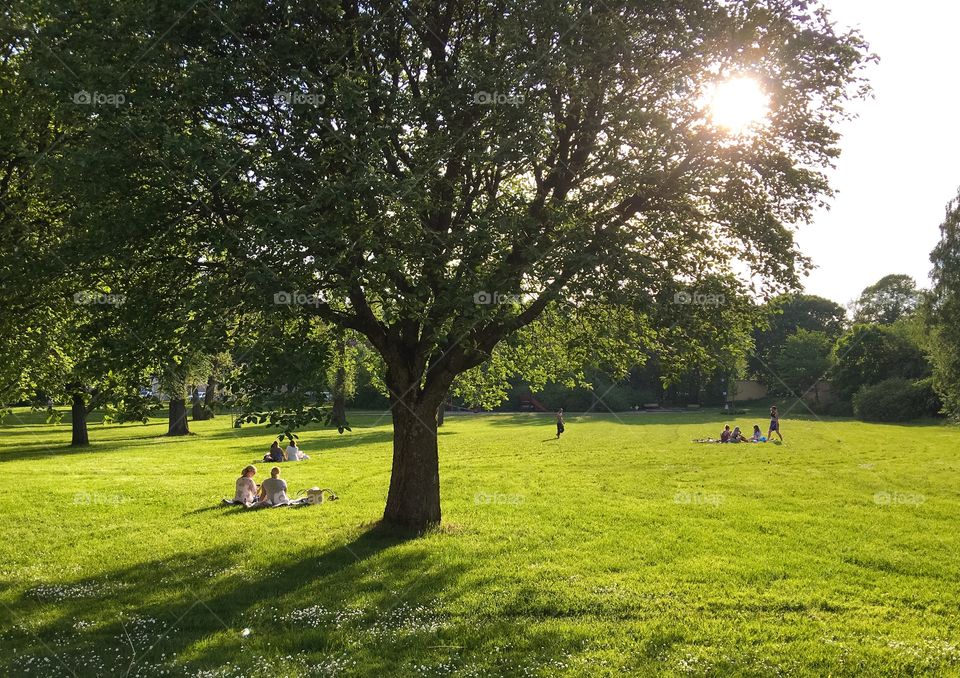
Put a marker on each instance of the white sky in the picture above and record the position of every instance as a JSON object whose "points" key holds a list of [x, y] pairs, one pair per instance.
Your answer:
{"points": [[901, 159]]}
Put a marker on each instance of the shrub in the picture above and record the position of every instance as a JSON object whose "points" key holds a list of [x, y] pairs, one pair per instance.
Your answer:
{"points": [[896, 400]]}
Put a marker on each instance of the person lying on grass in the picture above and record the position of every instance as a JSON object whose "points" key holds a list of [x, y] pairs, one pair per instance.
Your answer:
{"points": [[273, 491], [246, 487]]}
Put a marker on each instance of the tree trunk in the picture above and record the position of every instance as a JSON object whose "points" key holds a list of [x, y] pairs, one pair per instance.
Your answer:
{"points": [[209, 398], [440, 411], [78, 417], [338, 413], [414, 497], [177, 425], [197, 405]]}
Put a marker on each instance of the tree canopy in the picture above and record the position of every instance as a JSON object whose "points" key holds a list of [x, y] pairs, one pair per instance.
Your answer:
{"points": [[785, 315], [869, 354], [891, 298]]}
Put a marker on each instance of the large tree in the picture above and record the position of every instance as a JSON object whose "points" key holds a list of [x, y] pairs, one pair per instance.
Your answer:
{"points": [[435, 175]]}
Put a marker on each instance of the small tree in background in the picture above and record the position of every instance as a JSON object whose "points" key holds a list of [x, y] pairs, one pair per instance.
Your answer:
{"points": [[888, 300], [803, 360], [869, 354], [782, 316], [942, 311]]}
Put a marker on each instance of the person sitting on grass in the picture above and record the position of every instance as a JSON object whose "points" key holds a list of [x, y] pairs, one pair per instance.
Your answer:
{"points": [[725, 436], [737, 436], [294, 453], [246, 486], [273, 491], [275, 454], [756, 434]]}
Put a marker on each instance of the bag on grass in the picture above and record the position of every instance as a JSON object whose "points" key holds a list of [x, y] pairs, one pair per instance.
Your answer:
{"points": [[315, 495]]}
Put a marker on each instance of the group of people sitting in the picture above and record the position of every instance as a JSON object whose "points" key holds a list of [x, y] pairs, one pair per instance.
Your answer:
{"points": [[737, 436], [271, 492], [277, 453]]}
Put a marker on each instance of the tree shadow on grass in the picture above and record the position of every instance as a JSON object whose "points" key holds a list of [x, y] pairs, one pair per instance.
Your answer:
{"points": [[31, 451], [345, 440], [380, 603], [195, 607]]}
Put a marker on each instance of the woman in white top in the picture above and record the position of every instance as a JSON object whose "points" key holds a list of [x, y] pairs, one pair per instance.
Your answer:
{"points": [[294, 453], [246, 487]]}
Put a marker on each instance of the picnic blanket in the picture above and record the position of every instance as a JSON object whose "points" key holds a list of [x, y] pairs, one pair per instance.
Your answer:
{"points": [[262, 504], [314, 495]]}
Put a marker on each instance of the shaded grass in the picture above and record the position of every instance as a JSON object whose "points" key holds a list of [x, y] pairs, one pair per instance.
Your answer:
{"points": [[621, 548]]}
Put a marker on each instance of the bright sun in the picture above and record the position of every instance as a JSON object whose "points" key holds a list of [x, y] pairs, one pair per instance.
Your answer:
{"points": [[738, 104]]}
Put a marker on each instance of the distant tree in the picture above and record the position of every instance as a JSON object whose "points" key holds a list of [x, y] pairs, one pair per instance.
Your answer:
{"points": [[803, 360], [942, 311], [784, 315], [869, 354], [887, 300], [348, 352]]}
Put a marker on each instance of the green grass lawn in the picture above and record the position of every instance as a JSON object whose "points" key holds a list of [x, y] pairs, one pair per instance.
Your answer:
{"points": [[621, 549]]}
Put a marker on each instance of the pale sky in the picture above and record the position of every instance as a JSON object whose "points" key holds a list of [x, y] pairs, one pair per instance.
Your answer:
{"points": [[901, 158]]}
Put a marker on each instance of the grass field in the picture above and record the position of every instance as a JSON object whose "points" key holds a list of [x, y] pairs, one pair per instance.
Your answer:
{"points": [[621, 549]]}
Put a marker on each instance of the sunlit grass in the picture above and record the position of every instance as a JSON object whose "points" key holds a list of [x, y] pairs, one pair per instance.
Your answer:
{"points": [[622, 548]]}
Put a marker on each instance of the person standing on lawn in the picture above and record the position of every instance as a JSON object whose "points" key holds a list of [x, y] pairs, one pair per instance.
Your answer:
{"points": [[774, 424], [559, 422]]}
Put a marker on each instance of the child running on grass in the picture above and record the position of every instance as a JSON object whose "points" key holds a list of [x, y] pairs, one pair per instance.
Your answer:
{"points": [[559, 422]]}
